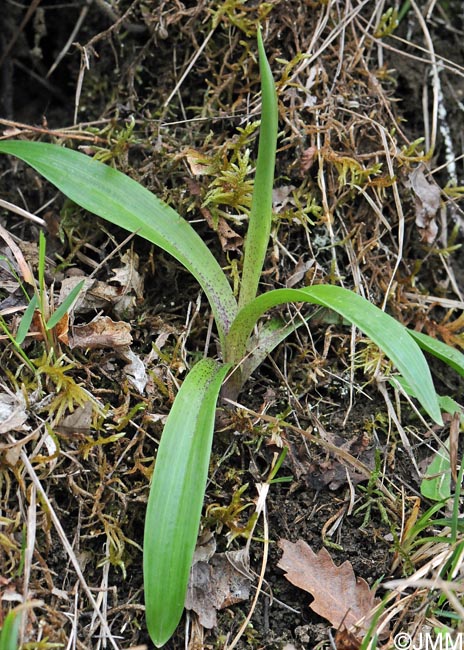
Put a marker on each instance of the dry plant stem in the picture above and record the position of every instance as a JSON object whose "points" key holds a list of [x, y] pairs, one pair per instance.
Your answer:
{"points": [[64, 540], [390, 614], [436, 82], [324, 198], [75, 618], [397, 420], [70, 133], [102, 600], [447, 64], [448, 588], [22, 213], [29, 552], [332, 36], [118, 21], [69, 42], [263, 489], [418, 300], [399, 211]]}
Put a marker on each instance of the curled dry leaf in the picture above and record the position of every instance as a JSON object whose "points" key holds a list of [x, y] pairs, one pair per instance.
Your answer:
{"points": [[214, 585], [307, 159], [101, 332], [230, 240], [198, 162], [94, 295], [282, 197], [319, 472], [20, 258], [13, 417], [79, 421], [340, 597], [427, 204], [134, 369], [128, 276], [12, 412], [97, 295], [299, 272]]}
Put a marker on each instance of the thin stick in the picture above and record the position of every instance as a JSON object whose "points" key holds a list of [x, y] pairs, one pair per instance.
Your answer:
{"points": [[263, 489], [22, 213], [69, 42], [188, 68]]}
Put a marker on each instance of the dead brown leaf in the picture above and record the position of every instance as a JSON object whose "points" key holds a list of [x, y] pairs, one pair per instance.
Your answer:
{"points": [[307, 159], [230, 240], [13, 414], [339, 596], [282, 197], [299, 272], [345, 640], [134, 369], [128, 276], [214, 585], [427, 204], [328, 471], [101, 332], [79, 421], [94, 296], [198, 162], [97, 295]]}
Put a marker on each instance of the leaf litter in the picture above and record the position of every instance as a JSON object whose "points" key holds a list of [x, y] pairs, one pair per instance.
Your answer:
{"points": [[339, 596]]}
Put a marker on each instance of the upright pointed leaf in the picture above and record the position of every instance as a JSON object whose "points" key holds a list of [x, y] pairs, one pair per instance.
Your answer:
{"points": [[10, 631], [392, 337], [64, 307], [26, 320], [176, 498], [117, 198], [259, 224]]}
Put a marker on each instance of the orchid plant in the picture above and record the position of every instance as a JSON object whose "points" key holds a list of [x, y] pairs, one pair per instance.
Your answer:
{"points": [[179, 480]]}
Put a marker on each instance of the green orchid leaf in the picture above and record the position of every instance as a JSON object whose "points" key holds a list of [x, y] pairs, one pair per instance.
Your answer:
{"points": [[64, 307], [176, 498], [436, 484], [26, 320], [452, 357], [9, 632], [391, 337], [119, 199], [259, 224]]}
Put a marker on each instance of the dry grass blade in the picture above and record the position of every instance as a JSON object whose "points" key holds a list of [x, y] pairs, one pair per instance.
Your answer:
{"points": [[68, 548]]}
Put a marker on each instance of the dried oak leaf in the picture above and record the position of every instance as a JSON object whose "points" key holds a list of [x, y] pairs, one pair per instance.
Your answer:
{"points": [[339, 596]]}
